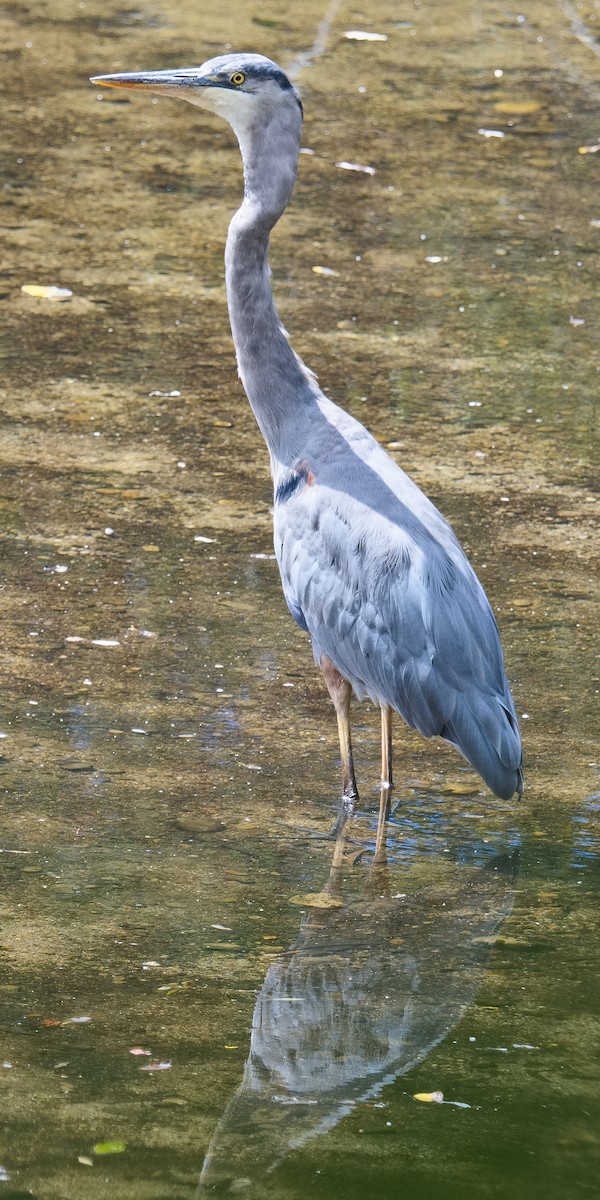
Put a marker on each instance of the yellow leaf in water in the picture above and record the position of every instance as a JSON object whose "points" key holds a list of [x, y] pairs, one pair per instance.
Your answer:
{"points": [[519, 108], [46, 293], [317, 900], [429, 1097], [325, 271]]}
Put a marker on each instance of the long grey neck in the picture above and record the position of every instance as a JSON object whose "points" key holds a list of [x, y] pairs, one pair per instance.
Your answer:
{"points": [[276, 382]]}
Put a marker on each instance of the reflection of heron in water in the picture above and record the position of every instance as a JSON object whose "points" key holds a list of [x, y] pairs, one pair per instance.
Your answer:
{"points": [[366, 991], [370, 569]]}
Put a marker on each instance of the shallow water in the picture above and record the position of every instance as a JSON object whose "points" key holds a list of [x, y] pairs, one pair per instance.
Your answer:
{"points": [[169, 762]]}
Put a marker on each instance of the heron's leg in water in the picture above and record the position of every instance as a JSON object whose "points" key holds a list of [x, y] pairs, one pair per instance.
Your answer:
{"points": [[386, 779], [341, 693], [386, 746]]}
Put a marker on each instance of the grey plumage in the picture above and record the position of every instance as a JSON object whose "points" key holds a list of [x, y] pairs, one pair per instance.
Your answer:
{"points": [[370, 568], [378, 579]]}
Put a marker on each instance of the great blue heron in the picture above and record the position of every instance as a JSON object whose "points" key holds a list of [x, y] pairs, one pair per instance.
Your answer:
{"points": [[370, 569]]}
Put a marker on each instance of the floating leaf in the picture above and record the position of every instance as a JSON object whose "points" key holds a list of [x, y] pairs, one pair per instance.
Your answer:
{"points": [[157, 1066], [137, 1050], [325, 271], [348, 166], [317, 900], [46, 293], [492, 940], [429, 1097], [116, 1147], [519, 108], [83, 1158], [361, 35]]}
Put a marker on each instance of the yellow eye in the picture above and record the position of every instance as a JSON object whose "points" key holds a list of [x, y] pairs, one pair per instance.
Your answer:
{"points": [[238, 78]]}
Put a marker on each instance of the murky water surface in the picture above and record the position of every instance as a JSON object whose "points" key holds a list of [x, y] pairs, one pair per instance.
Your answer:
{"points": [[169, 758]]}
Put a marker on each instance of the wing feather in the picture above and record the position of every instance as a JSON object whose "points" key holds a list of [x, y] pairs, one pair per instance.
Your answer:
{"points": [[384, 590]]}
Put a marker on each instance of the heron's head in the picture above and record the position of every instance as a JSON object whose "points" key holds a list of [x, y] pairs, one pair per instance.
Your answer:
{"points": [[248, 90]]}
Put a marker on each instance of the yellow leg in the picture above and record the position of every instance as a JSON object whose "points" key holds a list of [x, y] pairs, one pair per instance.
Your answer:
{"points": [[386, 746], [386, 780], [341, 693]]}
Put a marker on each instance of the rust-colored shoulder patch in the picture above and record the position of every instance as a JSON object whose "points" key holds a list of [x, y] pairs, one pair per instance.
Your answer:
{"points": [[299, 474], [304, 470]]}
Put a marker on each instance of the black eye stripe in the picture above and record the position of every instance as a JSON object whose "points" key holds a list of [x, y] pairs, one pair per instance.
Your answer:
{"points": [[256, 72]]}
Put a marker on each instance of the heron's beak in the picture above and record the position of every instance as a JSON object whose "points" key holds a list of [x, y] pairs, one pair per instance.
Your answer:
{"points": [[167, 82]]}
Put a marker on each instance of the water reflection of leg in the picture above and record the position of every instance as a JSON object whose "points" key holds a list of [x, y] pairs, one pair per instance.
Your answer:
{"points": [[333, 886], [331, 895], [382, 820]]}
